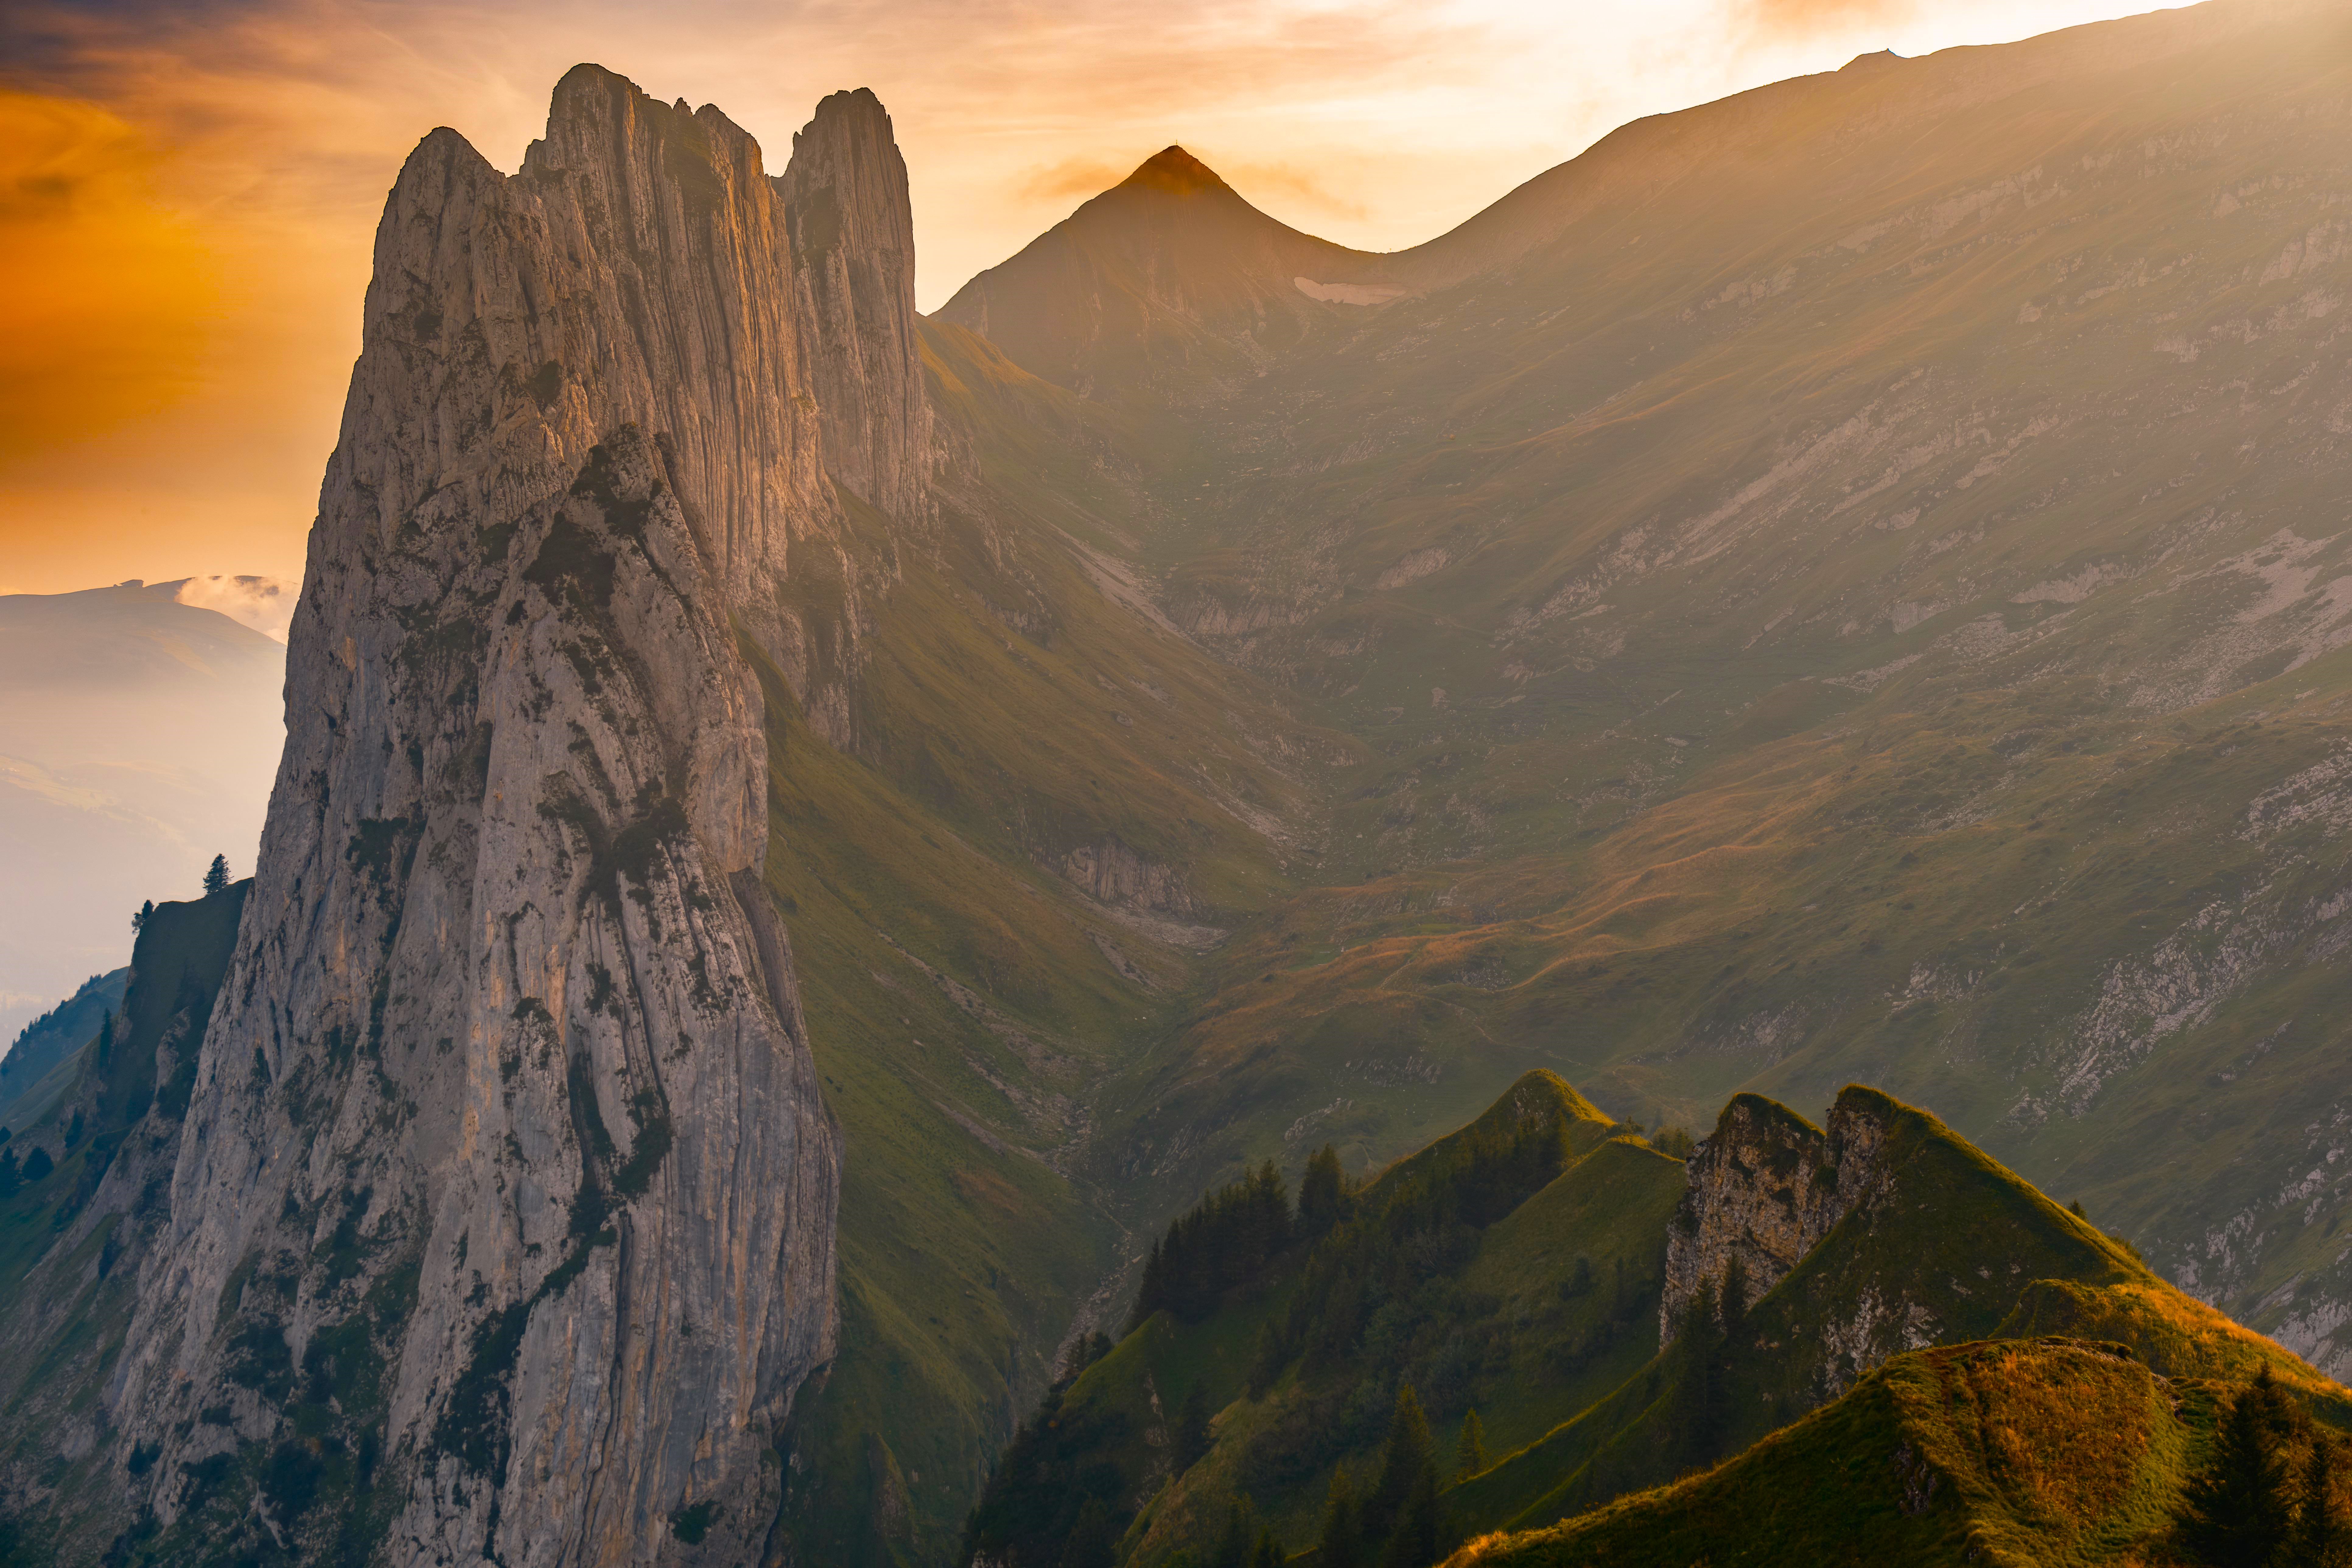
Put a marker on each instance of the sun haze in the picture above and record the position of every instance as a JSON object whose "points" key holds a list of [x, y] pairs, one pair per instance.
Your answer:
{"points": [[188, 192]]}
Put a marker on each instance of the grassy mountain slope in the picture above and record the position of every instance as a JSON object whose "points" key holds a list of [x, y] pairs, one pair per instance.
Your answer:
{"points": [[1855, 591], [1546, 1321], [995, 892], [45, 1044], [1948, 1248], [2041, 1451], [1506, 1294]]}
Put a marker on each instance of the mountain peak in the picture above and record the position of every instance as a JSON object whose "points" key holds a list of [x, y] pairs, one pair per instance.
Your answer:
{"points": [[1174, 170]]}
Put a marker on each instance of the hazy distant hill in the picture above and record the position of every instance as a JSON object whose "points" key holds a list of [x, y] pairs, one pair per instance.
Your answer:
{"points": [[137, 738], [50, 1039], [1169, 282]]}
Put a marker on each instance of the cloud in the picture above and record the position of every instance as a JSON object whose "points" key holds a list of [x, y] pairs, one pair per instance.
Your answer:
{"points": [[1799, 18], [264, 604], [1078, 177], [1267, 184]]}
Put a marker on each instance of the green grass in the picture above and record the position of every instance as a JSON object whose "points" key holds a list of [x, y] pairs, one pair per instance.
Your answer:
{"points": [[963, 999], [2044, 1453], [2051, 1430], [1545, 1309]]}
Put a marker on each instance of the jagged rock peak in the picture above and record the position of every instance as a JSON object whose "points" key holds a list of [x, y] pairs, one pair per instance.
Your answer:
{"points": [[506, 1164], [1175, 171], [852, 236], [639, 270]]}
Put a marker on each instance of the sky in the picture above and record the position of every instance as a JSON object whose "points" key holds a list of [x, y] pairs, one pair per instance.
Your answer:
{"points": [[189, 188]]}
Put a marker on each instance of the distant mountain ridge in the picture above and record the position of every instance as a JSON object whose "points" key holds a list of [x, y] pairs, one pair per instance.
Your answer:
{"points": [[138, 736], [1169, 279], [1819, 611], [45, 1042]]}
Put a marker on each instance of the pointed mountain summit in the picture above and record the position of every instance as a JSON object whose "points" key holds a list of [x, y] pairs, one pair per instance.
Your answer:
{"points": [[1169, 281], [1175, 171]]}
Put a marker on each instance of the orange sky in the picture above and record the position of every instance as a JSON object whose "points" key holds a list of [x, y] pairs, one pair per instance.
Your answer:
{"points": [[188, 191]]}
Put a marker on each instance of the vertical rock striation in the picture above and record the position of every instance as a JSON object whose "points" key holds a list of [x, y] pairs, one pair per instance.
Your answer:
{"points": [[502, 1225], [853, 239]]}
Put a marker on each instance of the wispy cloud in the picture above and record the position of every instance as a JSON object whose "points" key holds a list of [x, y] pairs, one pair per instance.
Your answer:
{"points": [[1802, 18], [1072, 177], [264, 604]]}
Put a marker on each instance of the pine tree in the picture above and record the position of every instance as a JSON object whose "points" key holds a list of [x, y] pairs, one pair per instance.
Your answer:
{"points": [[2320, 1538], [1093, 1541], [1418, 1539], [216, 876], [1322, 1192], [1342, 1544], [1409, 1452], [1154, 1292], [1192, 1435], [1734, 1306], [1269, 1554], [1237, 1544], [1470, 1453], [2234, 1512], [140, 917], [1698, 1399]]}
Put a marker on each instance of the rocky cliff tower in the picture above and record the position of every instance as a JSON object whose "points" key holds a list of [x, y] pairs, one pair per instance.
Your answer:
{"points": [[502, 1220]]}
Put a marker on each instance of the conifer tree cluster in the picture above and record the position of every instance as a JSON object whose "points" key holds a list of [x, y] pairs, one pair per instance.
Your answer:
{"points": [[1470, 1450], [1246, 1541], [1400, 1523], [1712, 1336], [1424, 1221], [2253, 1506], [1225, 1241]]}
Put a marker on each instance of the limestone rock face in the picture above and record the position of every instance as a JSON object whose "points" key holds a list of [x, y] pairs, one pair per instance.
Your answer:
{"points": [[1765, 1187], [504, 1208], [1763, 1190], [852, 239]]}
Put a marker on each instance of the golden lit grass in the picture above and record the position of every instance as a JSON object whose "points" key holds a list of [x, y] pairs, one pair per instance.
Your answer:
{"points": [[2046, 1452]]}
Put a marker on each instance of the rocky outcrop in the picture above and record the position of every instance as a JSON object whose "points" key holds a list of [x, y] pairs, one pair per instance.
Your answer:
{"points": [[1762, 1190], [1111, 872], [853, 241], [1765, 1187], [502, 1225]]}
